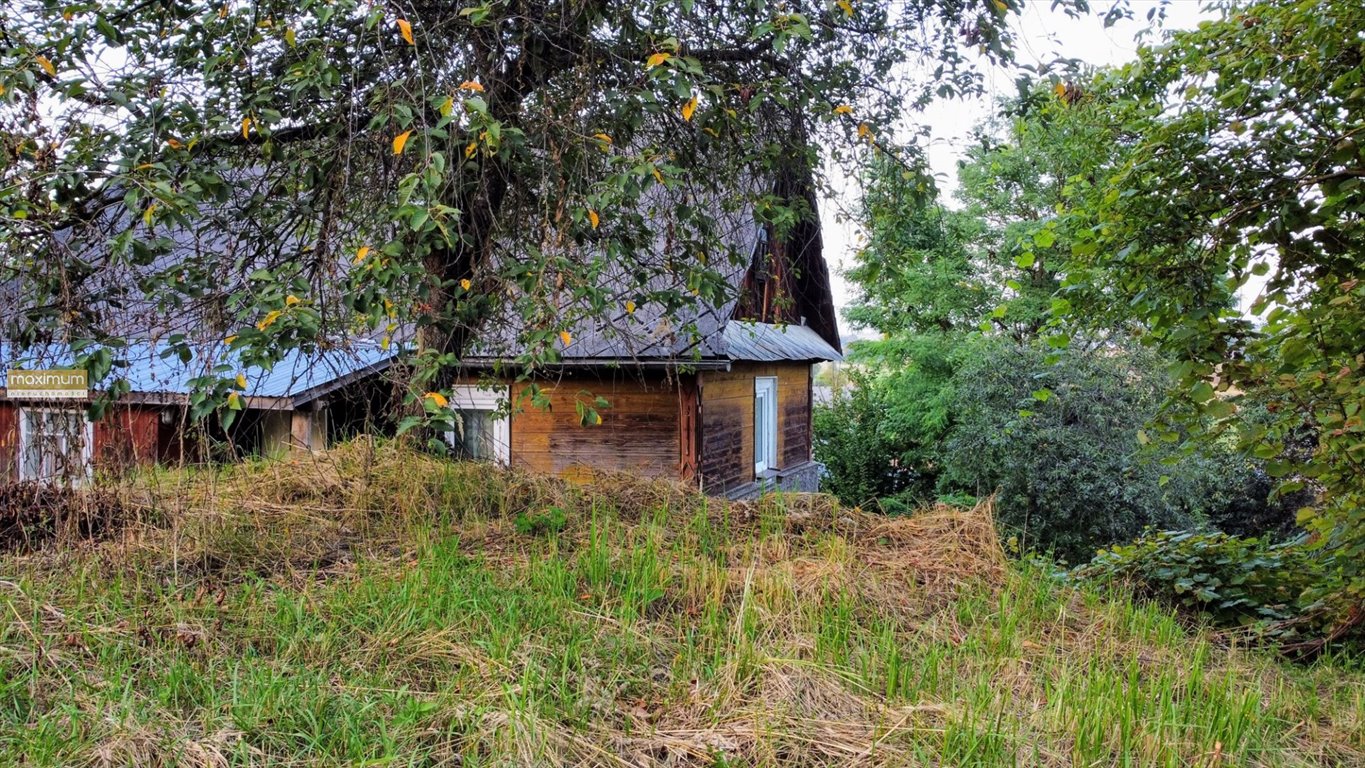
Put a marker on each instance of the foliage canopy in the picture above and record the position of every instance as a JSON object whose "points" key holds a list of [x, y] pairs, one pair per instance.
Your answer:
{"points": [[343, 166]]}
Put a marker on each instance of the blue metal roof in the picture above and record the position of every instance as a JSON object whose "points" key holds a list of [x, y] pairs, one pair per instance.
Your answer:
{"points": [[152, 369]]}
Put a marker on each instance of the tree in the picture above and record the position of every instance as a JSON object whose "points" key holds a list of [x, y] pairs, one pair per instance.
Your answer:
{"points": [[1247, 173], [932, 279], [1059, 443], [370, 167]]}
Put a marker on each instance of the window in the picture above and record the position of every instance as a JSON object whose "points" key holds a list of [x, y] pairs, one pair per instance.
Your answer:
{"points": [[761, 262], [54, 444], [765, 424], [480, 432]]}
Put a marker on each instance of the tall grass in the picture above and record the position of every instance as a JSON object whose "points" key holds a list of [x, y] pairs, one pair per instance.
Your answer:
{"points": [[375, 607]]}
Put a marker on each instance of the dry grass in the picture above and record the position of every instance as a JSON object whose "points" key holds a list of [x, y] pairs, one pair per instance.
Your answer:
{"points": [[375, 606]]}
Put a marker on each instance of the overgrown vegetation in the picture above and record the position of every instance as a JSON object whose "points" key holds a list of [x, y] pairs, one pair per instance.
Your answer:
{"points": [[378, 606], [1148, 292]]}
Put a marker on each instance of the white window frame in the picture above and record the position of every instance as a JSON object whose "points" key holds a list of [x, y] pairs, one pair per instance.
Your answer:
{"points": [[470, 397], [87, 444], [765, 424]]}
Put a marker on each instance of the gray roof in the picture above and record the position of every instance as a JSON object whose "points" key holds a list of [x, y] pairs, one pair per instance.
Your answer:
{"points": [[763, 342]]}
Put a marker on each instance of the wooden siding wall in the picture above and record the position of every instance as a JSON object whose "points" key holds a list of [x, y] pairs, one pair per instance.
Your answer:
{"points": [[639, 432], [727, 421], [9, 442], [126, 436]]}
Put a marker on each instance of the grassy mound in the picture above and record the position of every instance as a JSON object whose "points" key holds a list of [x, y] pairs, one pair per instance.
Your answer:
{"points": [[376, 607]]}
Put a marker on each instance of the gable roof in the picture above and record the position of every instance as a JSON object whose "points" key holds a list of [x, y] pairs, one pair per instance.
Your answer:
{"points": [[697, 333]]}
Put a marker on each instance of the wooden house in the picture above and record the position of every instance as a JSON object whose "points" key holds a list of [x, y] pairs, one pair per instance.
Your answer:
{"points": [[726, 405]]}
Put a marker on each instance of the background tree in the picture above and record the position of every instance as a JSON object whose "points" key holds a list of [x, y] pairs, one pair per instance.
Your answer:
{"points": [[971, 392], [932, 277], [1247, 174]]}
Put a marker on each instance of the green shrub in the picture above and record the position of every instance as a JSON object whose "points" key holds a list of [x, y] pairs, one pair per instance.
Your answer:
{"points": [[862, 461], [1233, 579], [548, 521], [1058, 443]]}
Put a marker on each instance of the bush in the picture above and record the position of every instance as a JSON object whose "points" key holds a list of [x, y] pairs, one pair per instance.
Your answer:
{"points": [[1233, 579], [33, 514], [1058, 443], [862, 462], [1274, 588]]}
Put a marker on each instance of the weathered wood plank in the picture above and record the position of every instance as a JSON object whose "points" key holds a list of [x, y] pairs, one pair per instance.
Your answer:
{"points": [[640, 429], [727, 421]]}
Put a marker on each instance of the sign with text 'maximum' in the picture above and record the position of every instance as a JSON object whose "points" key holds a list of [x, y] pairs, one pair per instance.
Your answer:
{"points": [[55, 384]]}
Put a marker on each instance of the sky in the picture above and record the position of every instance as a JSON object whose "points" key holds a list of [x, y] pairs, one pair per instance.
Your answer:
{"points": [[1041, 35]]}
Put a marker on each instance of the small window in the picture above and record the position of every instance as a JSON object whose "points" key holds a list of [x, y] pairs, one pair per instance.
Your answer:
{"points": [[765, 424], [481, 432], [761, 262], [54, 445]]}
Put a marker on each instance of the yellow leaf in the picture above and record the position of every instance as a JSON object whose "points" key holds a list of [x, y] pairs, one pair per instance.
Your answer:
{"points": [[241, 381], [291, 300], [843, 109], [174, 143], [593, 218], [602, 137], [657, 59], [289, 36], [268, 320], [246, 127], [400, 141], [2, 89], [465, 284], [659, 177], [597, 418], [630, 307], [470, 85], [864, 132], [234, 401], [362, 253], [437, 398], [222, 12], [566, 337], [406, 30], [230, 339], [471, 149], [847, 7], [689, 108], [147, 214], [47, 65], [1000, 5], [1059, 89], [446, 106]]}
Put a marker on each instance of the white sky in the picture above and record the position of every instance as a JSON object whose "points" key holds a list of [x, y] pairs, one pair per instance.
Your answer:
{"points": [[1042, 35]]}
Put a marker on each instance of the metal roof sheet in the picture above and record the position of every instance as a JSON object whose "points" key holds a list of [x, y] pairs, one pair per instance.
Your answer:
{"points": [[153, 369], [765, 342]]}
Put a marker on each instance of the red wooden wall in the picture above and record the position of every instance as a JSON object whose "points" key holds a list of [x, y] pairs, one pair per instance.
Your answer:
{"points": [[9, 442], [128, 435]]}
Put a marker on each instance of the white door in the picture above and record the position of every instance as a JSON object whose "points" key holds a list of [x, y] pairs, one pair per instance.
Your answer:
{"points": [[765, 424]]}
